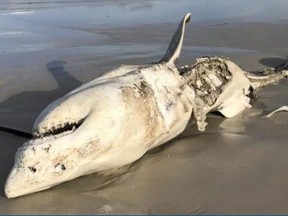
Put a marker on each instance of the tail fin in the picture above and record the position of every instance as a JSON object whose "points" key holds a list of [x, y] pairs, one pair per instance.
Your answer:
{"points": [[269, 76], [175, 46]]}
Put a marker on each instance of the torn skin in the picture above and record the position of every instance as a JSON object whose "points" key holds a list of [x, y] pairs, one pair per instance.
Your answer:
{"points": [[221, 85]]}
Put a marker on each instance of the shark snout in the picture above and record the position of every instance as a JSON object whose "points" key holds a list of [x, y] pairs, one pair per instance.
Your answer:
{"points": [[19, 185], [10, 190], [20, 182], [26, 180], [43, 163]]}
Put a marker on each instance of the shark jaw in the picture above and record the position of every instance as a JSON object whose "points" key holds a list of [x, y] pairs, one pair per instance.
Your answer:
{"points": [[46, 161]]}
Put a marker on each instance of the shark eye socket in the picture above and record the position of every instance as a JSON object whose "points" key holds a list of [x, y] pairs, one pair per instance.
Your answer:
{"points": [[60, 167], [32, 169]]}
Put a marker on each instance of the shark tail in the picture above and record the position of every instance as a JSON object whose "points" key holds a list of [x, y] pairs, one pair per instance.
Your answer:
{"points": [[267, 77]]}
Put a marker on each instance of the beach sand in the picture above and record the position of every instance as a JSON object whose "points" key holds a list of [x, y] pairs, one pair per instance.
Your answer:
{"points": [[237, 166]]}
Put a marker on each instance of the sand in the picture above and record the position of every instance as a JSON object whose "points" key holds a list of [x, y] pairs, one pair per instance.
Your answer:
{"points": [[237, 165]]}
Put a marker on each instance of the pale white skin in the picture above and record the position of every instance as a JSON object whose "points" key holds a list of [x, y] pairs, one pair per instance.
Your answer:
{"points": [[125, 113]]}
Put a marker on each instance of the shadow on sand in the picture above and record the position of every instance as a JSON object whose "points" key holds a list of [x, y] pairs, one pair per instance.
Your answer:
{"points": [[274, 62], [21, 110]]}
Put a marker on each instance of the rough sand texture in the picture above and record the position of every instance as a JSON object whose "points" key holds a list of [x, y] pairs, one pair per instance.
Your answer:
{"points": [[237, 165]]}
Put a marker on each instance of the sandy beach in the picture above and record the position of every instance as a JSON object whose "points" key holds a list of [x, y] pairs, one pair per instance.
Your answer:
{"points": [[237, 166]]}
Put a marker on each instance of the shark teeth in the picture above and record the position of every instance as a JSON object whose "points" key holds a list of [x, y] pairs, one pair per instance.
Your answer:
{"points": [[59, 130], [41, 140]]}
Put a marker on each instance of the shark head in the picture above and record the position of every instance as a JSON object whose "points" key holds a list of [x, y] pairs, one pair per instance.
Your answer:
{"points": [[62, 145], [65, 142]]}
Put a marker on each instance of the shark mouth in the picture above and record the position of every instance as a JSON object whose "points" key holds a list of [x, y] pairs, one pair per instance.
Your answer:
{"points": [[59, 130]]}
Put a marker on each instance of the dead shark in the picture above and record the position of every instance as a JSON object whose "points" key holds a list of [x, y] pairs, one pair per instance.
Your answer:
{"points": [[114, 119], [106, 123]]}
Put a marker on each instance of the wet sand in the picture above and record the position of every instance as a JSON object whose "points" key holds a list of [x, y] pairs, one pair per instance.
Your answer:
{"points": [[237, 165]]}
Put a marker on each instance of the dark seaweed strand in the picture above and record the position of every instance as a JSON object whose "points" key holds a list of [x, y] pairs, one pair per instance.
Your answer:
{"points": [[16, 132]]}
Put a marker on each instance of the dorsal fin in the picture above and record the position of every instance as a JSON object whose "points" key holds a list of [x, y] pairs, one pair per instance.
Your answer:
{"points": [[175, 46]]}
